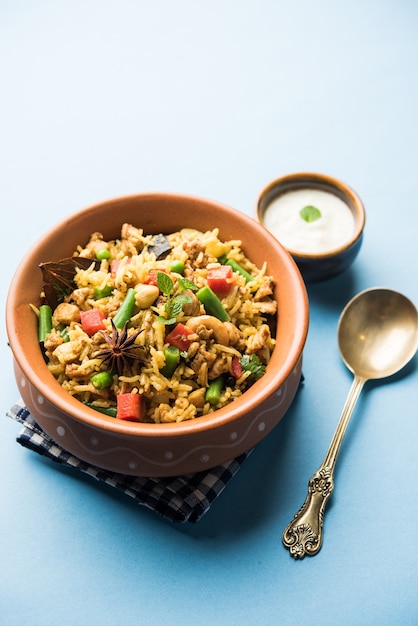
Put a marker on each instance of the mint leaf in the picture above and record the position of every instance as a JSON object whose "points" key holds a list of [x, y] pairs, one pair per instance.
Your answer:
{"points": [[310, 213], [165, 321], [185, 283], [165, 284], [174, 305], [182, 298]]}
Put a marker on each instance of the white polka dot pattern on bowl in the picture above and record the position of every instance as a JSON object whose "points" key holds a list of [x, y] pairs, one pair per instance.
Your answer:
{"points": [[121, 455]]}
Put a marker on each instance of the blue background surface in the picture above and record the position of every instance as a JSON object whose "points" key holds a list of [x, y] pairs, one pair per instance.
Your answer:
{"points": [[217, 99]]}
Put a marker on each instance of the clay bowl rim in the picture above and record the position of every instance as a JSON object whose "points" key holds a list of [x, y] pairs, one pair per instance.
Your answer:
{"points": [[301, 180], [52, 391]]}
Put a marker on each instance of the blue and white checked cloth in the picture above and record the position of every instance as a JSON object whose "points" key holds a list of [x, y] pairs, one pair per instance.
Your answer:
{"points": [[179, 499]]}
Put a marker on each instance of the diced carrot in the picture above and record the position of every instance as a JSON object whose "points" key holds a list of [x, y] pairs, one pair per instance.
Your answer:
{"points": [[152, 277], [92, 321], [130, 407], [179, 337], [236, 367], [115, 264], [220, 279]]}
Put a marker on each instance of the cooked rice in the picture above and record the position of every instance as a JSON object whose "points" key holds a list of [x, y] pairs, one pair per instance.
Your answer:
{"points": [[182, 396]]}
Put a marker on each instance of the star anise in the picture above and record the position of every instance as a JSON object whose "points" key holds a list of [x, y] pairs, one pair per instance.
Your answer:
{"points": [[58, 277], [122, 349]]}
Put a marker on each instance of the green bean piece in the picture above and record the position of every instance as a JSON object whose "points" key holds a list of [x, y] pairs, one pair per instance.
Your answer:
{"points": [[111, 411], [64, 334], [237, 268], [103, 292], [172, 359], [213, 306], [102, 380], [44, 322], [102, 254], [213, 392], [126, 309], [177, 267]]}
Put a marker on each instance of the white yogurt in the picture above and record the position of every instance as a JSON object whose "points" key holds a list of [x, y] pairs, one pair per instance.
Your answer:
{"points": [[332, 230]]}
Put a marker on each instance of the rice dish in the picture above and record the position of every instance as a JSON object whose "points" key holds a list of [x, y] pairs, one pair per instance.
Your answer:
{"points": [[196, 334]]}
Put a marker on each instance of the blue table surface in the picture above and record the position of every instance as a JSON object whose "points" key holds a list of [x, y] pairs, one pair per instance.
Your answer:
{"points": [[216, 99]]}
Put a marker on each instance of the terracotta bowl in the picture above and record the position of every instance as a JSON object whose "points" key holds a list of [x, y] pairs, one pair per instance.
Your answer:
{"points": [[313, 266], [158, 449]]}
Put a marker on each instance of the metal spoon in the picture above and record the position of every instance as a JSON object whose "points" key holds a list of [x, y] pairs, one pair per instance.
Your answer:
{"points": [[377, 336]]}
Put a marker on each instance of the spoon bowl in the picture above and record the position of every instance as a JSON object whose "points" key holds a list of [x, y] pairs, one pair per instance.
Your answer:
{"points": [[378, 333], [377, 337]]}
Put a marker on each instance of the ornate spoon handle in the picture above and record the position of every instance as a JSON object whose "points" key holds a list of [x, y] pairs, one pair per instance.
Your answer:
{"points": [[303, 535]]}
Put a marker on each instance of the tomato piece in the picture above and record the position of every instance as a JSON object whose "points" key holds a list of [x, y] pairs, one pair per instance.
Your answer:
{"points": [[92, 321], [130, 407], [220, 279], [114, 266], [152, 278], [116, 263], [179, 337], [236, 367]]}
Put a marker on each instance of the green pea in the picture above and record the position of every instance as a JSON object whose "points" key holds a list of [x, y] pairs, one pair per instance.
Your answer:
{"points": [[177, 267], [103, 253], [102, 380]]}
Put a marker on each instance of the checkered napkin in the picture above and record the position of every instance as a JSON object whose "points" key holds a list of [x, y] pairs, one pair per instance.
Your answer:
{"points": [[179, 499]]}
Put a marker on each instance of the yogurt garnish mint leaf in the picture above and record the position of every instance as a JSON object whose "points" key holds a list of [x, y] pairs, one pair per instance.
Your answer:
{"points": [[310, 220], [310, 213]]}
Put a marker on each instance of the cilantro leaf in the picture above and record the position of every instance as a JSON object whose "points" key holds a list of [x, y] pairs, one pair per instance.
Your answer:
{"points": [[253, 365]]}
